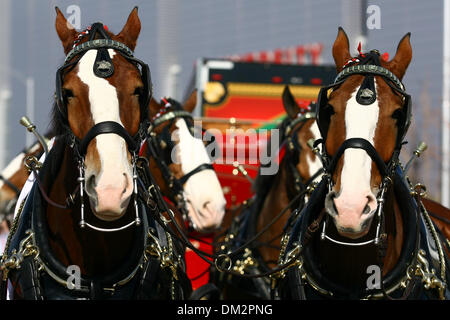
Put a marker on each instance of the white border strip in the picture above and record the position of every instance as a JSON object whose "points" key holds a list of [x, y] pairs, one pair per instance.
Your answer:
{"points": [[445, 179]]}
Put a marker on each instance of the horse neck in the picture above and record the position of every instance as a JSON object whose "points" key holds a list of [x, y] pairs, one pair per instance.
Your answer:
{"points": [[278, 197], [347, 265], [94, 252]]}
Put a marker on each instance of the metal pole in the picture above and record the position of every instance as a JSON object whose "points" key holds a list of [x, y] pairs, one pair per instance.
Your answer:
{"points": [[445, 179]]}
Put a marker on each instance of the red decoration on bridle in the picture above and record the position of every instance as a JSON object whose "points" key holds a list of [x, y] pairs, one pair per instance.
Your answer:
{"points": [[359, 50]]}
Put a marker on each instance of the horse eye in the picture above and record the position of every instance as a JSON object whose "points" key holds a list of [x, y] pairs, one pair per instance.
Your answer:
{"points": [[67, 93], [398, 114], [138, 91], [330, 109]]}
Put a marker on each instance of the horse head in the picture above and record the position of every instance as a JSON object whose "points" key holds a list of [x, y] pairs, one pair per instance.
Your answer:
{"points": [[303, 130], [180, 146], [101, 110], [363, 122]]}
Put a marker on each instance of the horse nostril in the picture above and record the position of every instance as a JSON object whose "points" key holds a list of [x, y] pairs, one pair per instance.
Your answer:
{"points": [[370, 200], [206, 204], [126, 183], [366, 209], [90, 183], [330, 204]]}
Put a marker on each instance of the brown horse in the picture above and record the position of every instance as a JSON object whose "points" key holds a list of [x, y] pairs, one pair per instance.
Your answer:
{"points": [[207, 220], [100, 119], [372, 232], [298, 167]]}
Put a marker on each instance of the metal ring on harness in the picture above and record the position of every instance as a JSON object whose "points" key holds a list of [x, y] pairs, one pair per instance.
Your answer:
{"points": [[226, 259]]}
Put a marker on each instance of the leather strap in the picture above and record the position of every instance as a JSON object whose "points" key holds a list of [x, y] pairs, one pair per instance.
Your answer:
{"points": [[204, 166], [10, 184], [359, 143], [104, 128]]}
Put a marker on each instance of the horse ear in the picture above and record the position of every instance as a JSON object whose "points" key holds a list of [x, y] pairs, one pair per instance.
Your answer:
{"points": [[153, 108], [341, 52], [191, 102], [402, 58], [290, 105], [131, 30], [66, 32]]}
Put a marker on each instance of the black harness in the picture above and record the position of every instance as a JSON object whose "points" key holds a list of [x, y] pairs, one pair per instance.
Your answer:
{"points": [[37, 274], [411, 278]]}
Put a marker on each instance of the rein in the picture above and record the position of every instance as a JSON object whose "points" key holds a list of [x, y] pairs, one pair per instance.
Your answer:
{"points": [[181, 237], [10, 185]]}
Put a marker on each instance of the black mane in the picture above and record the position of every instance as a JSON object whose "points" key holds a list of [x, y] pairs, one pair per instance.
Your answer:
{"points": [[57, 126]]}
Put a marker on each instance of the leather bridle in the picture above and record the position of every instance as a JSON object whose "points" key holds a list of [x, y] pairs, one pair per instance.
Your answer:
{"points": [[369, 66]]}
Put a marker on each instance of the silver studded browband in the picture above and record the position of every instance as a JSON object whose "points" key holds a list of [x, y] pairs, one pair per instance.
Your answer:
{"points": [[97, 44], [372, 69]]}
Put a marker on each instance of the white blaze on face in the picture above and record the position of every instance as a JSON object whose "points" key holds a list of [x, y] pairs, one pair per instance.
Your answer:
{"points": [[355, 191], [112, 183], [314, 164], [203, 192], [360, 122]]}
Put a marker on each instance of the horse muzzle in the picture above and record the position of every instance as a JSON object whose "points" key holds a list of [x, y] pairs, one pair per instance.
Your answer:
{"points": [[353, 215]]}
